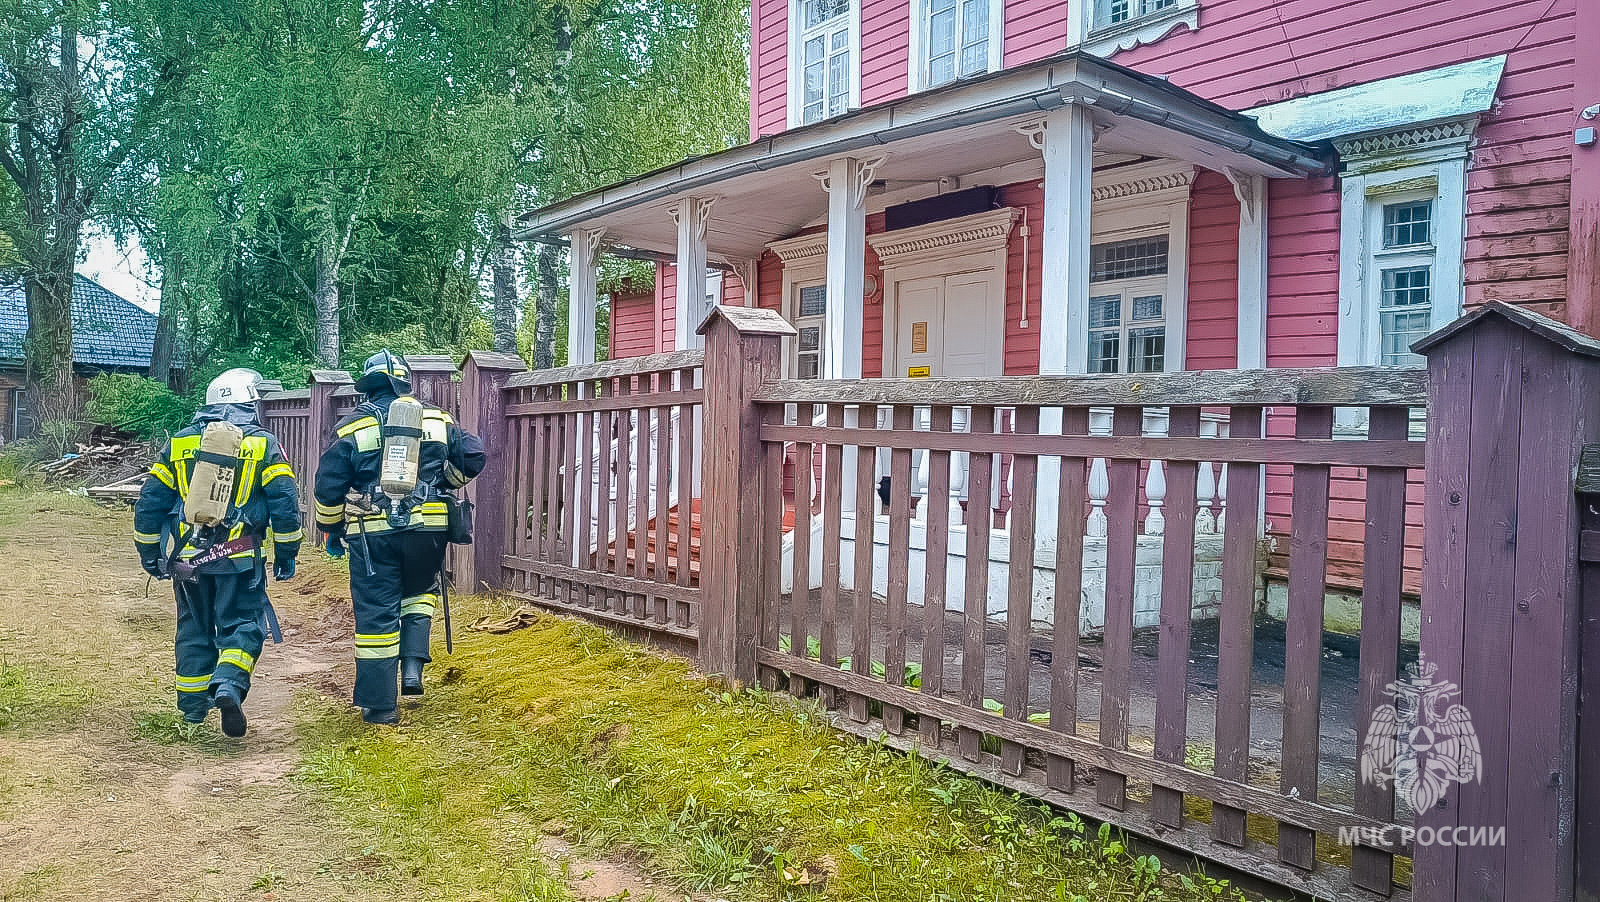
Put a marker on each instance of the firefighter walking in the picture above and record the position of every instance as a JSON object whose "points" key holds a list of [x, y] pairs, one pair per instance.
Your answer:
{"points": [[216, 490], [387, 487]]}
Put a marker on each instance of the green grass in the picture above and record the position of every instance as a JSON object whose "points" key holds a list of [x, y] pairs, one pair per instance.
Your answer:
{"points": [[32, 700], [747, 796]]}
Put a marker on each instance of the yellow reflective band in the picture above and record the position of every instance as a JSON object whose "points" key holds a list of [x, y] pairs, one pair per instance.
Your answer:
{"points": [[351, 428], [378, 654], [377, 638], [274, 471], [298, 535], [163, 473], [435, 427], [237, 657], [146, 538], [193, 683], [419, 604]]}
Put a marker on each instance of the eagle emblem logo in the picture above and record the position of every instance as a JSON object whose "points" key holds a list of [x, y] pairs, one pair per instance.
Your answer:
{"points": [[1424, 741]]}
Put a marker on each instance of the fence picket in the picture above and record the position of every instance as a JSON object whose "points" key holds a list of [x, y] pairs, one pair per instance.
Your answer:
{"points": [[1122, 537], [975, 617], [1177, 609], [1019, 595], [800, 587], [1236, 644], [861, 588], [1060, 773], [937, 527], [832, 520], [898, 581]]}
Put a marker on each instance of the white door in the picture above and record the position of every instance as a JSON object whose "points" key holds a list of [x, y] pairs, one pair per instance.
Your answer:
{"points": [[948, 326]]}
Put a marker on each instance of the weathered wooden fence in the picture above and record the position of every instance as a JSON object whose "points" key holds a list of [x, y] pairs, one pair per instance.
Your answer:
{"points": [[650, 495]]}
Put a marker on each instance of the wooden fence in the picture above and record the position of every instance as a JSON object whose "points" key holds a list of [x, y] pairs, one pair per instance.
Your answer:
{"points": [[650, 495]]}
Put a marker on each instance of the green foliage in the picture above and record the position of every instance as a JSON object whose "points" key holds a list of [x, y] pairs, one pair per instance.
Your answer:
{"points": [[139, 405]]}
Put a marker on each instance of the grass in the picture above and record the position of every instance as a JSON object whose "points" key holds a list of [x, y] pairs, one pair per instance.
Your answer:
{"points": [[32, 700], [563, 728]]}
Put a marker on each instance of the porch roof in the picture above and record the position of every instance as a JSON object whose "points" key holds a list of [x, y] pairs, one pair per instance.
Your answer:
{"points": [[766, 189]]}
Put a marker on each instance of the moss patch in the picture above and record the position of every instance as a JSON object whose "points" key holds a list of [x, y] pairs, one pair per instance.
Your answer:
{"points": [[563, 728]]}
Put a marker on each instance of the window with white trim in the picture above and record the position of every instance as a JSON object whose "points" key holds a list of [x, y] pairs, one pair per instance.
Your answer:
{"points": [[1116, 13], [953, 39], [824, 50], [1128, 305], [1401, 243], [811, 306], [1402, 263]]}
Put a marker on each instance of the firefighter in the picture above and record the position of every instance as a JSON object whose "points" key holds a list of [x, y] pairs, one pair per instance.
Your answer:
{"points": [[216, 490], [386, 485]]}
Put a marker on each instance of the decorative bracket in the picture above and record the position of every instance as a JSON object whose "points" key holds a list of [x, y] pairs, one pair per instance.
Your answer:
{"points": [[586, 245], [747, 271], [861, 174], [699, 210]]}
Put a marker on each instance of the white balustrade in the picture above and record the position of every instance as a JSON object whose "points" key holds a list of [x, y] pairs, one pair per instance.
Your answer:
{"points": [[1155, 483], [1099, 480], [1205, 487]]}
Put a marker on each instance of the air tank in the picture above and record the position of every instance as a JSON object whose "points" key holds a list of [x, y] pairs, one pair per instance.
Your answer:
{"points": [[211, 475], [402, 448]]}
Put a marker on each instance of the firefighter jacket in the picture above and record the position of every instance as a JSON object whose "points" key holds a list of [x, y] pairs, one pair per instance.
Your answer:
{"points": [[349, 470], [265, 498]]}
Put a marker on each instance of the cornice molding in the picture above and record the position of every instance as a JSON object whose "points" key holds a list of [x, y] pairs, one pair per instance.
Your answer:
{"points": [[974, 234]]}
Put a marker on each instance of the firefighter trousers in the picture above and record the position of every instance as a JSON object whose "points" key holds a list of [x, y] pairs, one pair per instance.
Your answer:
{"points": [[219, 635], [394, 607]]}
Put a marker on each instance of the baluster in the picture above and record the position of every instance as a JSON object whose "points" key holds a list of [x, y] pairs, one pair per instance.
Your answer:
{"points": [[1205, 487], [1099, 481], [1222, 498], [919, 474], [1155, 483], [960, 421]]}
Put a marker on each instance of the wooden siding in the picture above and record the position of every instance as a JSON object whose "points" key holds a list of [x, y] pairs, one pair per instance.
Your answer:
{"points": [[1034, 30], [769, 81], [1022, 344], [885, 49], [633, 325], [1212, 342]]}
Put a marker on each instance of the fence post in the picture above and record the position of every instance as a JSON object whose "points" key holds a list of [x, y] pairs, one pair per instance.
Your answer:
{"points": [[1512, 398], [432, 380], [483, 375], [743, 351], [319, 429]]}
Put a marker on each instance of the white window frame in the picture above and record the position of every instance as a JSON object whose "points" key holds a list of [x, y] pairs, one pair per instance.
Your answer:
{"points": [[796, 74], [805, 263], [1439, 170], [917, 76], [1127, 290], [1143, 201], [1084, 31]]}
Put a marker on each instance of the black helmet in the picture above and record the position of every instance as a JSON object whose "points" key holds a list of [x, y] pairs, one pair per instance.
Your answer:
{"points": [[382, 371]]}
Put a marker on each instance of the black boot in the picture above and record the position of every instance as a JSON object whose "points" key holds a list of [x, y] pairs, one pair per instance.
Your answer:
{"points": [[410, 676], [226, 698], [387, 717]]}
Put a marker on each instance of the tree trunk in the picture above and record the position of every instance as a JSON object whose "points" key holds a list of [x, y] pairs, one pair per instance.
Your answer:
{"points": [[505, 293], [325, 298], [544, 336], [49, 345], [167, 319]]}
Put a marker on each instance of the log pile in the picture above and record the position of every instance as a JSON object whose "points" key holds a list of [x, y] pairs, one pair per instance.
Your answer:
{"points": [[105, 466]]}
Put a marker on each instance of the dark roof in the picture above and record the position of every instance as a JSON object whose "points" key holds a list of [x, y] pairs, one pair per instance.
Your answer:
{"points": [[107, 330]]}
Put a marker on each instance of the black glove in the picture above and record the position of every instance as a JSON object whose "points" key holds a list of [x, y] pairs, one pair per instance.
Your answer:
{"points": [[282, 568], [153, 565]]}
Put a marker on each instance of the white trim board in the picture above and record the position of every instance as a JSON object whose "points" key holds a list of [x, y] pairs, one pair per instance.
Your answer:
{"points": [[1463, 89], [916, 71]]}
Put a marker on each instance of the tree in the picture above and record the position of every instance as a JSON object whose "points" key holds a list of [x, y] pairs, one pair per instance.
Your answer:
{"points": [[78, 95]]}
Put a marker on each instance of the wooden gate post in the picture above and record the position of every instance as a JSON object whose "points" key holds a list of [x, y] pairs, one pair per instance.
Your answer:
{"points": [[433, 380], [743, 352], [483, 378], [1512, 398], [319, 432]]}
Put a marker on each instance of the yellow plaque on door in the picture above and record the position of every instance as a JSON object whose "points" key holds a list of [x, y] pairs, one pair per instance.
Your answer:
{"points": [[918, 372], [919, 338]]}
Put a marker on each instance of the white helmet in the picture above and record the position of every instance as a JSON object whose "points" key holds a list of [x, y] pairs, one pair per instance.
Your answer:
{"points": [[236, 386]]}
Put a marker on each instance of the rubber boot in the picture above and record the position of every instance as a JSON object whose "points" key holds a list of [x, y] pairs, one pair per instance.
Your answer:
{"points": [[384, 718], [410, 676], [226, 698]]}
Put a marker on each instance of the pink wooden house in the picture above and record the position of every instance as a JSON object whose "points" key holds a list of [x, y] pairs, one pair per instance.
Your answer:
{"points": [[1006, 187]]}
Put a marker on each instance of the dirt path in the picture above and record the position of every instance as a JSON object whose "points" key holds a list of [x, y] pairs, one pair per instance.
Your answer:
{"points": [[100, 800]]}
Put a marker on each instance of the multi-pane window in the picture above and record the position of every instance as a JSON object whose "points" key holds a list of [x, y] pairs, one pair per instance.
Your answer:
{"points": [[1127, 307], [813, 307], [1404, 263], [957, 39], [824, 59], [1118, 12]]}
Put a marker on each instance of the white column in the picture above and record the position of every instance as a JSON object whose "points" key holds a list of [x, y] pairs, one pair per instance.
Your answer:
{"points": [[582, 295], [1066, 139], [690, 215], [846, 181], [1251, 191]]}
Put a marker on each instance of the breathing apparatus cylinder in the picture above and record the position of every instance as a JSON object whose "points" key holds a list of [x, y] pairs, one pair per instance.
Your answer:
{"points": [[402, 448], [211, 477]]}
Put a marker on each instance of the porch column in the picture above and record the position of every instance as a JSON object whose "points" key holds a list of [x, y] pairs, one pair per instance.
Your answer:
{"points": [[690, 215], [846, 182], [581, 295], [1251, 191], [1066, 138]]}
